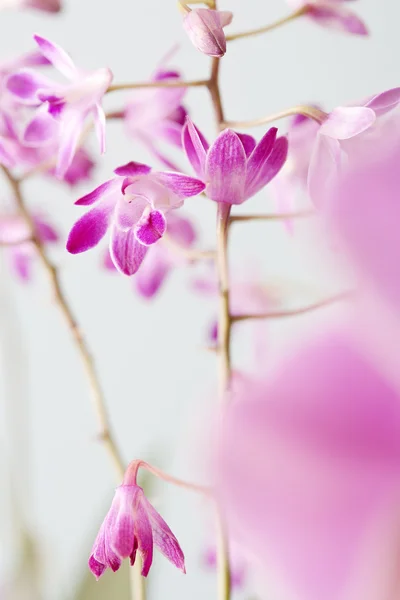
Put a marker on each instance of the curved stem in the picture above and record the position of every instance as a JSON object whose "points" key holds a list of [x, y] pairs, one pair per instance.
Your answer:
{"points": [[302, 214], [133, 469], [98, 400], [245, 34], [282, 314], [157, 84], [307, 111]]}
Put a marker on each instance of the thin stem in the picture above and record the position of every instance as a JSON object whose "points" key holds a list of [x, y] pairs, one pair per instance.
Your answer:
{"points": [[307, 111], [302, 214], [15, 243], [244, 34], [283, 314], [158, 84], [190, 254], [133, 469], [98, 400], [138, 583], [213, 86]]}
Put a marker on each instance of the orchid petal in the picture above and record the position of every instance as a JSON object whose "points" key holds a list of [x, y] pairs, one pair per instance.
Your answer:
{"points": [[204, 28], [123, 531], [90, 229], [100, 126], [126, 252], [129, 210], [25, 85], [249, 143], [96, 567], [183, 186], [338, 18], [151, 230], [42, 129], [96, 194], [72, 125], [195, 146], [163, 537], [144, 536], [153, 273], [385, 101], [324, 166], [57, 56], [258, 158], [132, 169], [226, 169], [346, 122], [21, 264]]}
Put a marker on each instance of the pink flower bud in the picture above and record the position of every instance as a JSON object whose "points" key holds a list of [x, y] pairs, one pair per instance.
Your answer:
{"points": [[205, 29]]}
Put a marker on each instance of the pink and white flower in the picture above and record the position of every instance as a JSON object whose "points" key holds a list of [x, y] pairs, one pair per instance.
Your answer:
{"points": [[63, 108], [205, 29], [235, 167], [134, 206], [333, 14]]}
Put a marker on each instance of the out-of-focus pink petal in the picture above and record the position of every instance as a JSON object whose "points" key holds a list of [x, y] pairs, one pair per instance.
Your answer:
{"points": [[42, 129], [337, 17], [21, 264], [71, 129], [89, 229], [181, 229], [126, 252], [144, 535], [57, 56], [80, 169], [45, 231], [100, 126], [152, 229], [163, 537], [346, 122], [51, 6], [325, 165], [268, 167], [182, 186], [226, 169], [204, 28], [132, 169], [25, 85], [152, 273], [196, 147], [384, 102]]}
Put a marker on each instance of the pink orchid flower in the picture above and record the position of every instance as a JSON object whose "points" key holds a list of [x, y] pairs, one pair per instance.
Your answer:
{"points": [[236, 563], [309, 473], [63, 108], [131, 525], [154, 115], [52, 6], [344, 129], [333, 14], [161, 258], [235, 167], [133, 205], [205, 29], [14, 234]]}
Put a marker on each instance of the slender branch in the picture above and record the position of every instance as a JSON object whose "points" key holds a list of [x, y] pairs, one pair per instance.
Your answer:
{"points": [[190, 254], [15, 243], [273, 217], [302, 109], [133, 469], [244, 34], [137, 582], [283, 314], [98, 399], [158, 84]]}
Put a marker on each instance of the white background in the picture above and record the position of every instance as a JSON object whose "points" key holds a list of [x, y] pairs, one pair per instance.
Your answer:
{"points": [[157, 379]]}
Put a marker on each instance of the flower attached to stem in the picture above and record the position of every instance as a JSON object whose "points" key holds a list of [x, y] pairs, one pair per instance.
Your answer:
{"points": [[205, 29], [133, 525], [332, 14]]}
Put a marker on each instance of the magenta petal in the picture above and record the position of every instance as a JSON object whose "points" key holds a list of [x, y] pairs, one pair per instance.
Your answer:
{"points": [[150, 231], [164, 539], [96, 567], [195, 146], [181, 185], [21, 264], [41, 130], [57, 56], [226, 169], [72, 124], [132, 169], [153, 273], [249, 143], [25, 84], [204, 28], [268, 168], [96, 195], [344, 123], [385, 101], [338, 18], [126, 252], [144, 536], [122, 535], [259, 157], [46, 232], [89, 229]]}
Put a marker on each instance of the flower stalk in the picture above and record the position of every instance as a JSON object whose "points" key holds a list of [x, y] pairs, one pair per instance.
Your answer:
{"points": [[267, 28]]}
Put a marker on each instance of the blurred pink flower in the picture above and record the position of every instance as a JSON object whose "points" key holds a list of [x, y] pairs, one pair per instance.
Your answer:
{"points": [[333, 14], [237, 564], [14, 234], [45, 5], [63, 108], [235, 167], [205, 29], [131, 525], [156, 114], [309, 473], [133, 204]]}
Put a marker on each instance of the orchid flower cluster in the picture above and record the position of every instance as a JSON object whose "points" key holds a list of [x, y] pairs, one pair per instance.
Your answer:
{"points": [[306, 469]]}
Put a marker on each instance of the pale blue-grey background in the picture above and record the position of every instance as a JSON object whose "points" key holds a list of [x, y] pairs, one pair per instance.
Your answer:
{"points": [[158, 381]]}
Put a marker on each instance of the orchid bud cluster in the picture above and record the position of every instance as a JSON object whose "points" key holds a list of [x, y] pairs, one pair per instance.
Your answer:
{"points": [[307, 467]]}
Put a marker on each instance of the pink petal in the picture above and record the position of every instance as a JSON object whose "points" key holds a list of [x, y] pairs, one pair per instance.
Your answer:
{"points": [[204, 28], [338, 18], [259, 157], [225, 17], [249, 143], [42, 129], [57, 56], [181, 185], [181, 229], [129, 210], [132, 169], [346, 122], [72, 125], [268, 168], [226, 169], [45, 231], [126, 252], [89, 229], [196, 147], [25, 85], [384, 102], [21, 264], [163, 537], [97, 193], [144, 535], [122, 535], [325, 165], [96, 567], [153, 273], [150, 231], [100, 126], [80, 169]]}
